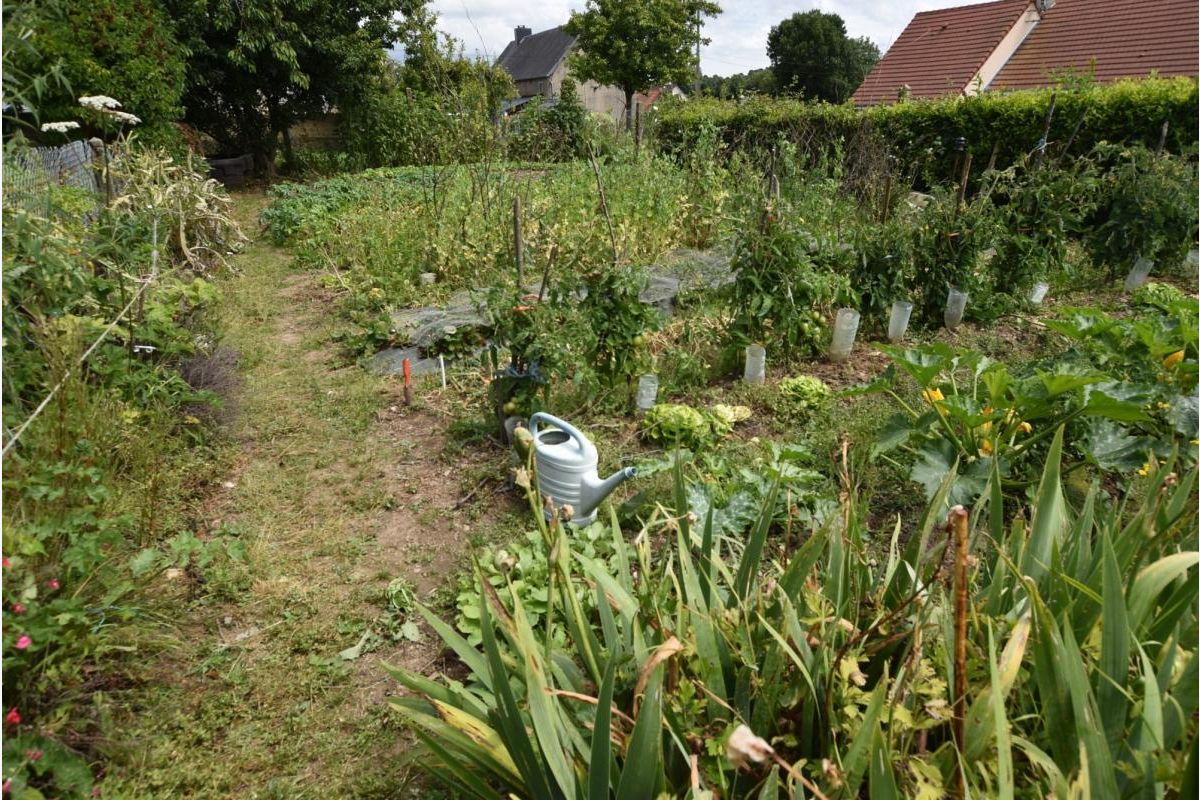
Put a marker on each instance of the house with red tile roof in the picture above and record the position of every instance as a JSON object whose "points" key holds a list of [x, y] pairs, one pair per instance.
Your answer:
{"points": [[1018, 44]]}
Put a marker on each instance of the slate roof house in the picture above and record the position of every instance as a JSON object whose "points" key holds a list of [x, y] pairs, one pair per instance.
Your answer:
{"points": [[538, 64], [1018, 44]]}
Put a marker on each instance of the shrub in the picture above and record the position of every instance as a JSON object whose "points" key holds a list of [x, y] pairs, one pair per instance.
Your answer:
{"points": [[921, 133], [1146, 209]]}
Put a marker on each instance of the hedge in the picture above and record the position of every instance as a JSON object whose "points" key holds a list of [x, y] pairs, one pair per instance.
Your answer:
{"points": [[921, 132]]}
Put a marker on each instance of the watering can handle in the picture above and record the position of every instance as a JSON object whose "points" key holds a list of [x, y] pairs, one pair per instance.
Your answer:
{"points": [[565, 427]]}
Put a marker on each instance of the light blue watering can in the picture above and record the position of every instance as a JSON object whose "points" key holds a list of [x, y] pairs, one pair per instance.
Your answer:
{"points": [[566, 468]]}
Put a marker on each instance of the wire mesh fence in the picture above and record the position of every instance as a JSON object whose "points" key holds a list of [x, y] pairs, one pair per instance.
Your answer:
{"points": [[79, 175]]}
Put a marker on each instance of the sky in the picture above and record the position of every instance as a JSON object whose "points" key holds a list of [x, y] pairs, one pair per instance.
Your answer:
{"points": [[739, 35]]}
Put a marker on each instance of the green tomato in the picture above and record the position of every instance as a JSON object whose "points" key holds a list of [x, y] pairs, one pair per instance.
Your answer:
{"points": [[639, 340], [510, 408]]}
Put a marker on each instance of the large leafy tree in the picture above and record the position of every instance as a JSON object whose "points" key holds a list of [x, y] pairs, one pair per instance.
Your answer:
{"points": [[124, 49], [810, 53], [637, 44], [258, 66]]}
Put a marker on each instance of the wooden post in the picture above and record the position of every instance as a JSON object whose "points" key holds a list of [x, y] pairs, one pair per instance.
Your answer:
{"points": [[956, 526], [887, 197], [637, 126], [992, 160], [962, 182], [1162, 137], [518, 244]]}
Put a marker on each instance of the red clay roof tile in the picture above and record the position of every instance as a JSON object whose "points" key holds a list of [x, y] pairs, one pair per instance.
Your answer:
{"points": [[940, 51], [1126, 39]]}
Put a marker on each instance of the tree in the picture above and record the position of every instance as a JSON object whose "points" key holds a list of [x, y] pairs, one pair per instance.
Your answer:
{"points": [[810, 53], [637, 44], [259, 66], [756, 81], [124, 49]]}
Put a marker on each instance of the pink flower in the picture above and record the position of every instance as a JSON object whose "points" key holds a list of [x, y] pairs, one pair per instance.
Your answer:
{"points": [[24, 641], [6, 562], [17, 608], [7, 787], [33, 755], [52, 583], [13, 717]]}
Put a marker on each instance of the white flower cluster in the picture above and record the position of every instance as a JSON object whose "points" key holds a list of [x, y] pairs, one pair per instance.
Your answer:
{"points": [[99, 102], [124, 118], [59, 127], [108, 106]]}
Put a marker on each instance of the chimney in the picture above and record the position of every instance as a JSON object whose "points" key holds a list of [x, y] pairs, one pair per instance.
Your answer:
{"points": [[520, 32]]}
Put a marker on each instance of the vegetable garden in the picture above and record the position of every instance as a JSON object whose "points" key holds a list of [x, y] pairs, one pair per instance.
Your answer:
{"points": [[956, 557], [960, 562]]}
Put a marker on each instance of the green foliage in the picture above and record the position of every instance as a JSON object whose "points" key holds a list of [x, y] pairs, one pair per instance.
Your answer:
{"points": [[920, 134], [678, 425], [439, 107], [637, 44], [95, 489], [947, 242], [783, 289], [804, 395], [844, 668], [1039, 211], [255, 68], [1123, 396], [812, 55], [756, 81], [619, 323], [125, 49], [1158, 295], [560, 132], [1147, 208]]}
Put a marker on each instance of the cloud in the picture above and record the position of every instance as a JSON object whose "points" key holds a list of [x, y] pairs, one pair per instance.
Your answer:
{"points": [[739, 35]]}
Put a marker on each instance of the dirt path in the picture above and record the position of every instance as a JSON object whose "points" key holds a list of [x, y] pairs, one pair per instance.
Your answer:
{"points": [[339, 493]]}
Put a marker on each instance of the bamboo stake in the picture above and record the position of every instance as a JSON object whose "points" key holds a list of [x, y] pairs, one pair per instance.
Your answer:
{"points": [[956, 524]]}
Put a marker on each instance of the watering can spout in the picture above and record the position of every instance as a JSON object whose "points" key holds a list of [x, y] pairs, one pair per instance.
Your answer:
{"points": [[594, 491]]}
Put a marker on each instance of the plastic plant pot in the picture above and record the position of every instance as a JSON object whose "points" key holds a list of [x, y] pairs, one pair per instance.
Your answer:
{"points": [[898, 324], [1138, 273], [1038, 293], [956, 304], [647, 392], [845, 328], [756, 364]]}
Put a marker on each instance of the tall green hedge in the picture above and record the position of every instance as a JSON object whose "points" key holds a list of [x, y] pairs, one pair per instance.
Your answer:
{"points": [[922, 132]]}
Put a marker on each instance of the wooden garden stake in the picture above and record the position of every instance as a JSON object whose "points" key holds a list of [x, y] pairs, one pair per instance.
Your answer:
{"points": [[408, 394], [1162, 137], [604, 204], [962, 182], [956, 525], [518, 244], [992, 160], [887, 197]]}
